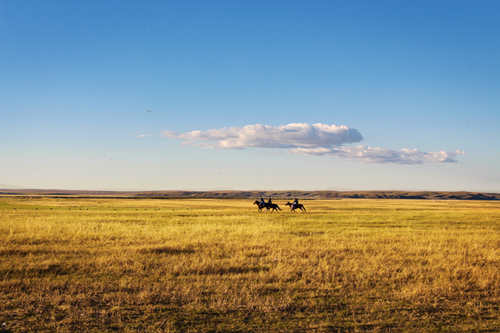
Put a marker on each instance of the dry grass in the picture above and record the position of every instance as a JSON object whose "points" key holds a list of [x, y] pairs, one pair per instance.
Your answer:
{"points": [[218, 265]]}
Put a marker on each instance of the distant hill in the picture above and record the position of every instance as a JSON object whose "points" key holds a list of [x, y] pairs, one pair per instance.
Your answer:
{"points": [[425, 195]]}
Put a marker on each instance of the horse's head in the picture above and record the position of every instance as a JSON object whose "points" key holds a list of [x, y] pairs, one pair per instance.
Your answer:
{"points": [[256, 202], [288, 203]]}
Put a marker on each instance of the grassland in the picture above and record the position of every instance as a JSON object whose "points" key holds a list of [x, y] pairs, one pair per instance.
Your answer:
{"points": [[219, 265]]}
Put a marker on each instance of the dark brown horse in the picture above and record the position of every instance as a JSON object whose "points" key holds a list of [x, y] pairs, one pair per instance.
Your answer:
{"points": [[294, 206], [259, 204], [273, 207]]}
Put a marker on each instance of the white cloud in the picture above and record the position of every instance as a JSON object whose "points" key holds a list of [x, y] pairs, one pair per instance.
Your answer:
{"points": [[266, 136], [383, 155], [315, 139], [142, 136]]}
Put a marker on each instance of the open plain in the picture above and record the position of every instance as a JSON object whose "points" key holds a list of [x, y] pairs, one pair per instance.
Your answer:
{"points": [[206, 265]]}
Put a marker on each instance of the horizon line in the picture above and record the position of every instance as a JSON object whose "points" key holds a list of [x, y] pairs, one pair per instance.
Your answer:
{"points": [[19, 189]]}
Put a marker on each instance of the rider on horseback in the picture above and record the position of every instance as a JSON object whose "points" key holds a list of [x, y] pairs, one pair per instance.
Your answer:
{"points": [[268, 205]]}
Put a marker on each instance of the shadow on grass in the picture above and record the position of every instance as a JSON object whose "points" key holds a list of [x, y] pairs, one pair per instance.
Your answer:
{"points": [[168, 250], [306, 233], [227, 270], [28, 252], [46, 270]]}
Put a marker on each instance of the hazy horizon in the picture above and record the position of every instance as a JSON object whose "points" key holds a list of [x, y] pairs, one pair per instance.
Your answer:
{"points": [[125, 189]]}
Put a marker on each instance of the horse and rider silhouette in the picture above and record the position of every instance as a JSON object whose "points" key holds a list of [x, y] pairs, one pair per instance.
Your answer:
{"points": [[274, 207], [296, 205], [267, 205]]}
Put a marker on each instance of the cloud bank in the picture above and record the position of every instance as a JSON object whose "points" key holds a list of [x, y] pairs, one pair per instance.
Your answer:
{"points": [[311, 139]]}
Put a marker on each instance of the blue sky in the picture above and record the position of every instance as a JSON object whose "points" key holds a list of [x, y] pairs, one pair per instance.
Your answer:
{"points": [[76, 79]]}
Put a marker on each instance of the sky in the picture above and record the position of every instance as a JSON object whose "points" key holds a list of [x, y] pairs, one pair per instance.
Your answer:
{"points": [[284, 95]]}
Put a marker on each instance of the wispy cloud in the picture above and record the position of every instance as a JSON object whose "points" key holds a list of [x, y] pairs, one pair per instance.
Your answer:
{"points": [[315, 139], [143, 135], [383, 155]]}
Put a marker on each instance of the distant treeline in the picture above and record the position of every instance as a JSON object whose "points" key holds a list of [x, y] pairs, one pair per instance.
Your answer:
{"points": [[426, 195]]}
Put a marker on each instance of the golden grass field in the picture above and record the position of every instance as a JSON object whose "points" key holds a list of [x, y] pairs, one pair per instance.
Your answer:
{"points": [[220, 266]]}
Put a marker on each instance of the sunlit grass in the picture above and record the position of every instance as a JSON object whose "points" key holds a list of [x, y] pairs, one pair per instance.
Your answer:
{"points": [[219, 265]]}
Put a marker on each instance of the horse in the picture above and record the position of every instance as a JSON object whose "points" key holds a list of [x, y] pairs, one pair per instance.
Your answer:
{"points": [[272, 206], [260, 204], [294, 206]]}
